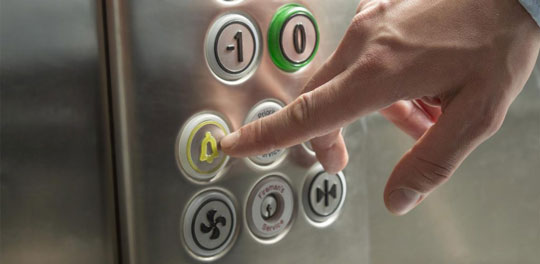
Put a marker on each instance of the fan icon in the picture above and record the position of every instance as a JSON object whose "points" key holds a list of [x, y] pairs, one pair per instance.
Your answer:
{"points": [[213, 222]]}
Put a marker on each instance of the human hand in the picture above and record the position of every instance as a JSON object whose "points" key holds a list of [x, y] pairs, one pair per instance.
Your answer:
{"points": [[443, 71]]}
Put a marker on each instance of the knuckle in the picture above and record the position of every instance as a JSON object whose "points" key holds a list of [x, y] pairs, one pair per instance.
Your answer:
{"points": [[373, 7], [373, 62], [486, 121], [358, 24], [429, 174], [299, 112]]}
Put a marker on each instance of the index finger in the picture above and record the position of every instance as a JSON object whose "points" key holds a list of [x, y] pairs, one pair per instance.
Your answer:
{"points": [[329, 107]]}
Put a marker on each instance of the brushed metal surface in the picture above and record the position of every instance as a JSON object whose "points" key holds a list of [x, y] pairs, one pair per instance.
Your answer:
{"points": [[489, 212], [57, 203], [160, 79]]}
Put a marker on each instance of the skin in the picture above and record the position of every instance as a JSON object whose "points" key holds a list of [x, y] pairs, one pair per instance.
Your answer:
{"points": [[443, 71]]}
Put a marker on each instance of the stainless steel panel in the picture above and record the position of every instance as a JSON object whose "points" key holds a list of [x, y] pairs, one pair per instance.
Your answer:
{"points": [[57, 203], [489, 212], [160, 79]]}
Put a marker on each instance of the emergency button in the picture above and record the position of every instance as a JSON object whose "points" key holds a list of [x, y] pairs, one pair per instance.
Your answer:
{"points": [[293, 37], [197, 150]]}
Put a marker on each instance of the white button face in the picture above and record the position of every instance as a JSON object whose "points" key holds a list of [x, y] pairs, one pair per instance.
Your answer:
{"points": [[232, 47], [298, 38], [270, 207], [260, 110], [235, 47], [323, 194], [209, 223], [197, 149]]}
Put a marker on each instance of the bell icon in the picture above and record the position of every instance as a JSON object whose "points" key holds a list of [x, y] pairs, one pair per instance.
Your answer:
{"points": [[208, 140]]}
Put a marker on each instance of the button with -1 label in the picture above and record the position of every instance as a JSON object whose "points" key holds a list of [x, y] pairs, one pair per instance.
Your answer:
{"points": [[197, 149], [232, 47], [260, 110]]}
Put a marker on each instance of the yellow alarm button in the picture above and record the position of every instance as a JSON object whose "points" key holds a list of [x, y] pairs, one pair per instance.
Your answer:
{"points": [[198, 150]]}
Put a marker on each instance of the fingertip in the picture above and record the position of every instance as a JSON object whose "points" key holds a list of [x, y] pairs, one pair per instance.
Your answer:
{"points": [[335, 158], [229, 142], [400, 201]]}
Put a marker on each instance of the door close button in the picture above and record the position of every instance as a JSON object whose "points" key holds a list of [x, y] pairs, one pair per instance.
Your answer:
{"points": [[323, 194]]}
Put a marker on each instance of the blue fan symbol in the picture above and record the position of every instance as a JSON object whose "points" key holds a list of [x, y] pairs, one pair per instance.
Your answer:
{"points": [[213, 222]]}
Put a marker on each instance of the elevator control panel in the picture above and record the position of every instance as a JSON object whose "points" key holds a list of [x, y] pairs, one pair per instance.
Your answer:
{"points": [[274, 201]]}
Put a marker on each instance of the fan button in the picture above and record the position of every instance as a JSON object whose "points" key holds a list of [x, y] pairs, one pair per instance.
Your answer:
{"points": [[209, 224]]}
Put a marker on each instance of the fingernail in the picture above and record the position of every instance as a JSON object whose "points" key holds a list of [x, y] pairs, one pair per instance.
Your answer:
{"points": [[229, 141], [401, 201]]}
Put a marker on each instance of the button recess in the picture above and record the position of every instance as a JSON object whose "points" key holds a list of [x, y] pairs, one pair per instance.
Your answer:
{"points": [[323, 194], [270, 207], [260, 110], [197, 149], [232, 47], [293, 37], [209, 224]]}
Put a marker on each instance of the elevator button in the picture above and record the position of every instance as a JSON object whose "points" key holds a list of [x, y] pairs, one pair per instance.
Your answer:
{"points": [[198, 150], [293, 37], [260, 110], [323, 194], [209, 223], [270, 207], [307, 145], [232, 47]]}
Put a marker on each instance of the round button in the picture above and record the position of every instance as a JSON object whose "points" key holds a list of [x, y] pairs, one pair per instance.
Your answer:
{"points": [[323, 194], [293, 37], [209, 224], [308, 147], [260, 110], [198, 151], [232, 47], [270, 207]]}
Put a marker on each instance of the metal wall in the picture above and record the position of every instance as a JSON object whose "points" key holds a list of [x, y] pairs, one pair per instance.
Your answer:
{"points": [[489, 212], [57, 187], [163, 79], [57, 203]]}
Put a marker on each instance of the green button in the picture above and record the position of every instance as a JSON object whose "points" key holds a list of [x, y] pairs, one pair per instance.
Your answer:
{"points": [[293, 37]]}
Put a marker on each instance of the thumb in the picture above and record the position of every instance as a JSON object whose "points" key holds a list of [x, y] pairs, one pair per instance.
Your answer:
{"points": [[439, 152]]}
